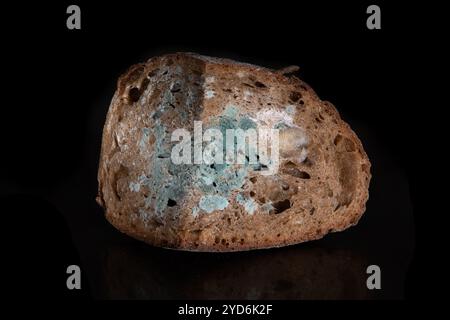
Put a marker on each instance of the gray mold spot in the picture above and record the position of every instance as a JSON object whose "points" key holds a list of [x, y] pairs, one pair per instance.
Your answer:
{"points": [[249, 204], [165, 179], [211, 203]]}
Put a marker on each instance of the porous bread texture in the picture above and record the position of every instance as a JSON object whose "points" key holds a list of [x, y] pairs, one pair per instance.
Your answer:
{"points": [[321, 185]]}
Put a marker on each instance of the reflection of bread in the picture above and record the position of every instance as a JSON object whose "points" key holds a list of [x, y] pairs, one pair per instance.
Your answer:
{"points": [[135, 272], [322, 182]]}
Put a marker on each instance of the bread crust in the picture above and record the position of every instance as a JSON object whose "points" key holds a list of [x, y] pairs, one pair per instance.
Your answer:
{"points": [[331, 198]]}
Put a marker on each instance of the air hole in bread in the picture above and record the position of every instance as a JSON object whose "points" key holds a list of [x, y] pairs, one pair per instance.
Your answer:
{"points": [[171, 203], [262, 167], [294, 96], [152, 73], [347, 166], [349, 145], [247, 85], [118, 175], [176, 87], [337, 139], [281, 206], [163, 156], [144, 84], [252, 193], [365, 168], [301, 102], [295, 172], [134, 94], [253, 179], [260, 84], [290, 164], [344, 144]]}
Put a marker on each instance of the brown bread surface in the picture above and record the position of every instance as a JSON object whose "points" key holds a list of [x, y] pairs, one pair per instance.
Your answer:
{"points": [[321, 185]]}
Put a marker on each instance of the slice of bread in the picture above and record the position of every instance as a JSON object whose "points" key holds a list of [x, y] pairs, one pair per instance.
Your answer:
{"points": [[321, 185]]}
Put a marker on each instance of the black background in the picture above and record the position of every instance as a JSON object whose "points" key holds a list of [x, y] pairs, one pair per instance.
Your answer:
{"points": [[52, 133]]}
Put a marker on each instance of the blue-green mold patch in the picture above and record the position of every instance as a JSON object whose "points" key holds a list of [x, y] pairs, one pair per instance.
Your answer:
{"points": [[222, 179], [170, 180], [267, 207], [217, 182], [167, 181], [195, 211], [249, 204], [144, 138], [290, 109], [210, 203]]}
